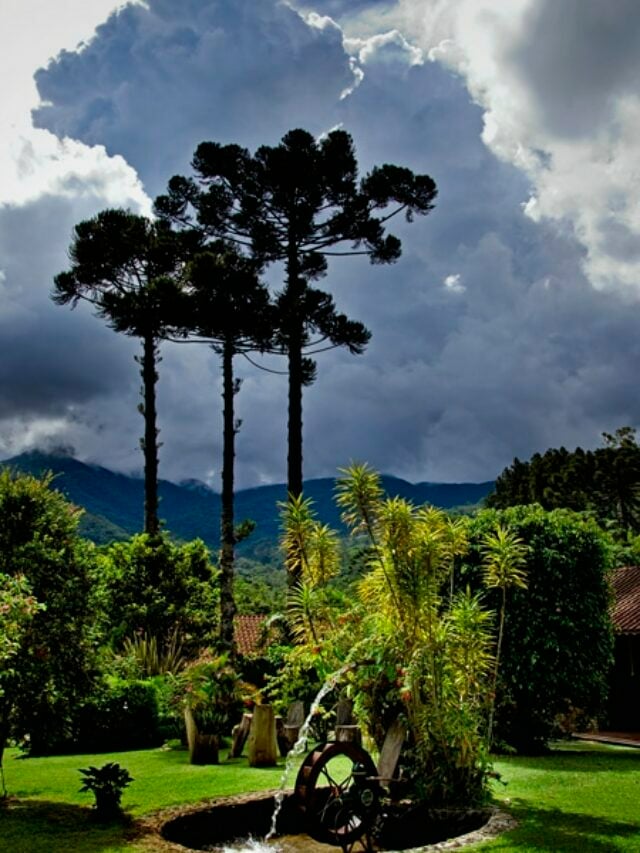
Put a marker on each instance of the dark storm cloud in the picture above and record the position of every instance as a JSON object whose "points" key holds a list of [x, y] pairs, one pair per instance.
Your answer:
{"points": [[576, 57], [50, 359], [488, 341]]}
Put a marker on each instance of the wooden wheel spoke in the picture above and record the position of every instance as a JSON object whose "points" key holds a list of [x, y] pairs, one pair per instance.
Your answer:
{"points": [[335, 809]]}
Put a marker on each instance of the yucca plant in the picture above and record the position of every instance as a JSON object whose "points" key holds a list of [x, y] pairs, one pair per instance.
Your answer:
{"points": [[504, 558], [156, 658], [421, 653], [315, 550]]}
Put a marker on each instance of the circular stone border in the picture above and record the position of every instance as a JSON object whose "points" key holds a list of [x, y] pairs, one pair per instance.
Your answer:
{"points": [[498, 823], [148, 830]]}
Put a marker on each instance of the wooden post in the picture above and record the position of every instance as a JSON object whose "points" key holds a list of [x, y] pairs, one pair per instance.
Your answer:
{"points": [[293, 723], [192, 729], [240, 735], [263, 749]]}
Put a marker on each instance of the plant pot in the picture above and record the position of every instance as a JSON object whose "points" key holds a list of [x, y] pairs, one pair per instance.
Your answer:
{"points": [[203, 748], [107, 805]]}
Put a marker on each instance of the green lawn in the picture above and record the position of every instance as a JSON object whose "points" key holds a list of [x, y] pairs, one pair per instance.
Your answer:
{"points": [[580, 798], [50, 815]]}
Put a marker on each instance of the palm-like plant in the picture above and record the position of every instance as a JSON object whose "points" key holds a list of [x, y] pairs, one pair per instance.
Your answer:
{"points": [[505, 556], [439, 648], [315, 548]]}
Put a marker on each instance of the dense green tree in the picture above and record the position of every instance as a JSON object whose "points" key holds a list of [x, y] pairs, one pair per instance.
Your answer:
{"points": [[605, 481], [558, 642], [153, 588], [298, 203], [50, 670], [128, 267]]}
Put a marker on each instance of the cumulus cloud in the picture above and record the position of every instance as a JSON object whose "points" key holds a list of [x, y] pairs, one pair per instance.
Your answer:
{"points": [[557, 83], [154, 82]]}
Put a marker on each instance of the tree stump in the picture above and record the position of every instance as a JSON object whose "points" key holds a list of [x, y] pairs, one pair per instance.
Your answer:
{"points": [[281, 738], [263, 749], [240, 735], [293, 724], [349, 734]]}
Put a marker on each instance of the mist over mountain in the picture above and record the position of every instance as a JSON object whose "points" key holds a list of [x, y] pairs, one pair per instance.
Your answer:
{"points": [[113, 502]]}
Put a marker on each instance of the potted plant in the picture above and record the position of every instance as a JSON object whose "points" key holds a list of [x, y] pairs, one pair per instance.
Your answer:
{"points": [[211, 696]]}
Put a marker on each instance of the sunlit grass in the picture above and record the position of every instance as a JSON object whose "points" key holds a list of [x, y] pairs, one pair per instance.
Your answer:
{"points": [[582, 797], [48, 814]]}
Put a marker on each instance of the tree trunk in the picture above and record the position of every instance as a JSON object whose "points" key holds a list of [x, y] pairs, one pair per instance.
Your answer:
{"points": [[149, 443], [294, 458], [296, 379], [227, 533]]}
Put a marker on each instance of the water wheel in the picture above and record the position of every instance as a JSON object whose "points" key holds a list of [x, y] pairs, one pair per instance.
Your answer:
{"points": [[338, 791]]}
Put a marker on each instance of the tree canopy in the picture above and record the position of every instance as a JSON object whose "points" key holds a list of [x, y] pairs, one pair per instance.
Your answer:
{"points": [[605, 481], [558, 639], [50, 669], [298, 203]]}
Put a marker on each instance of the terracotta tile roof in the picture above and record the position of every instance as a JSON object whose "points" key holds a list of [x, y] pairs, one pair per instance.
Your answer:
{"points": [[626, 609], [248, 633]]}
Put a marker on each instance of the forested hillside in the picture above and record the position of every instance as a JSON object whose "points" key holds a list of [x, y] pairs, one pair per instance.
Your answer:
{"points": [[113, 502]]}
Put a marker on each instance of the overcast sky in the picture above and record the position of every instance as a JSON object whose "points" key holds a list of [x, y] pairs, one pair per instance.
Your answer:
{"points": [[509, 325]]}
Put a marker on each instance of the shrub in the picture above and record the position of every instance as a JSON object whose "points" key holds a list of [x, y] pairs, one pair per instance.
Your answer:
{"points": [[52, 663], [557, 636], [211, 689], [121, 715], [152, 587]]}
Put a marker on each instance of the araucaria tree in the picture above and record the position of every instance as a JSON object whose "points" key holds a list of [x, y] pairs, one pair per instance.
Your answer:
{"points": [[128, 267], [227, 305], [298, 203]]}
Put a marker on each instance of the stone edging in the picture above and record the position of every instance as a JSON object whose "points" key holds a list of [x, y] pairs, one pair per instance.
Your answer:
{"points": [[150, 826], [498, 823]]}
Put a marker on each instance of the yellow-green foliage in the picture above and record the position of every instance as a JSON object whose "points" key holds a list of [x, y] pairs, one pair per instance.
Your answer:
{"points": [[418, 651]]}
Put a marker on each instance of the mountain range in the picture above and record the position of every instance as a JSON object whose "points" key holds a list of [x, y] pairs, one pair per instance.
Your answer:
{"points": [[113, 502]]}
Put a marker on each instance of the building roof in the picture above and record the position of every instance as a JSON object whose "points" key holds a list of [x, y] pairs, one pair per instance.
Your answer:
{"points": [[248, 634], [626, 608]]}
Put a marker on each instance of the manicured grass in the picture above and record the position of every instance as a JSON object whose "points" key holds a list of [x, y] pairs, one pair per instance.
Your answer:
{"points": [[582, 797], [48, 814]]}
